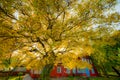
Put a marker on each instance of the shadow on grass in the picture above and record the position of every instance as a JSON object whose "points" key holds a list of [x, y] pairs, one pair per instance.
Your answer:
{"points": [[84, 78], [70, 78]]}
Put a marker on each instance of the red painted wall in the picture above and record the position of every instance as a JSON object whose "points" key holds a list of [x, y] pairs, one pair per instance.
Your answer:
{"points": [[64, 74]]}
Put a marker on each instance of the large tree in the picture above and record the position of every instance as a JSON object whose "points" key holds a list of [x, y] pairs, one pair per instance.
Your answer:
{"points": [[54, 29]]}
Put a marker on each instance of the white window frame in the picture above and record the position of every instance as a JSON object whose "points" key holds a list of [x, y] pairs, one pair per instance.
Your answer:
{"points": [[59, 70], [93, 71], [67, 71], [74, 70]]}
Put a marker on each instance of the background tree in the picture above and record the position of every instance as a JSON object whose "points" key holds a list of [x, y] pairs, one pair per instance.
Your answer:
{"points": [[108, 51]]}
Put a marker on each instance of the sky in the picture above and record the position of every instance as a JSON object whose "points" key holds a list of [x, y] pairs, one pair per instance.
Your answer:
{"points": [[117, 7]]}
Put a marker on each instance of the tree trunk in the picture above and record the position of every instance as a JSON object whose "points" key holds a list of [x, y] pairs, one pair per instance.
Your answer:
{"points": [[116, 70], [8, 75], [46, 72], [49, 66]]}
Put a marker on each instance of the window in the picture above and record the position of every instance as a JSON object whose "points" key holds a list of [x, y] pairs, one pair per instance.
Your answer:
{"points": [[81, 71], [93, 72], [58, 69], [88, 60], [74, 70], [83, 59], [67, 70]]}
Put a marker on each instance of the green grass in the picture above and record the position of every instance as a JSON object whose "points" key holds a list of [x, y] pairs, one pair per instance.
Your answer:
{"points": [[11, 78], [15, 78], [105, 78], [84, 78], [70, 78]]}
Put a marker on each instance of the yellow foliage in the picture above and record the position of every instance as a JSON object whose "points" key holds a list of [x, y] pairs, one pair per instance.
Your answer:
{"points": [[52, 27], [70, 60]]}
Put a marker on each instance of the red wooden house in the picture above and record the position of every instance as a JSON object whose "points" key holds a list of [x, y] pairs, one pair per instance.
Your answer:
{"points": [[61, 71]]}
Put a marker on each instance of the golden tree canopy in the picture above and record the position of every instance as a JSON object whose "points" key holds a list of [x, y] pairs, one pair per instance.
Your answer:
{"points": [[42, 31]]}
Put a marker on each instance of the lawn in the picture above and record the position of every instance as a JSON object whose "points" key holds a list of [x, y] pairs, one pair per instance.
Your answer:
{"points": [[91, 78], [11, 78], [71, 78]]}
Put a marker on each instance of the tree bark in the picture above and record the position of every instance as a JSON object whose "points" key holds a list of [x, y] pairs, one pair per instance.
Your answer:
{"points": [[7, 76], [46, 71], [116, 70]]}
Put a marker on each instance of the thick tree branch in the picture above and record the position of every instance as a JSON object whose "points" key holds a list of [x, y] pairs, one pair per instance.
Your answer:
{"points": [[7, 14]]}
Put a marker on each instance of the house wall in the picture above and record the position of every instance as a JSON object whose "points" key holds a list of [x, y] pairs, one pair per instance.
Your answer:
{"points": [[61, 71], [64, 73]]}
